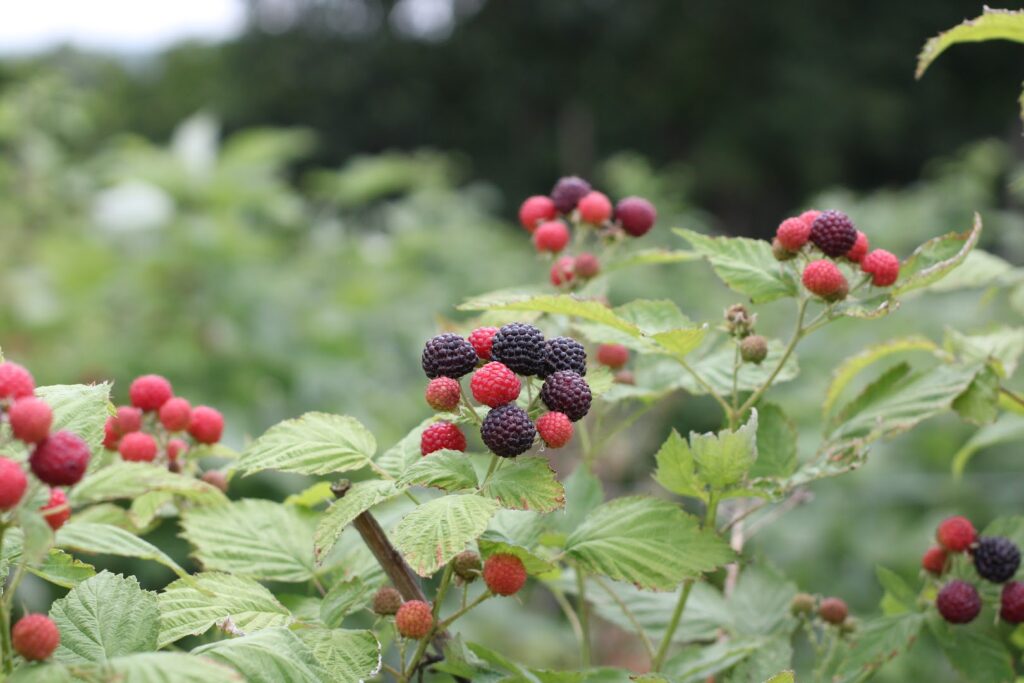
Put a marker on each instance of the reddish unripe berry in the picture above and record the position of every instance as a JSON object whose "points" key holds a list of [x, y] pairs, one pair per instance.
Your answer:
{"points": [[883, 266], [824, 279], [15, 381], [494, 385], [149, 392], [440, 436], [612, 355], [504, 574], [414, 619], [35, 637], [58, 503], [176, 414], [586, 265], [216, 478], [555, 428], [793, 233], [13, 483], [481, 339], [833, 610], [443, 393], [956, 534], [934, 560], [176, 448], [551, 236], [859, 248], [30, 419], [808, 217], [625, 377], [137, 447], [958, 602], [1011, 603], [562, 271], [111, 437], [127, 420], [535, 209], [207, 424], [60, 460], [595, 208], [636, 215], [387, 601]]}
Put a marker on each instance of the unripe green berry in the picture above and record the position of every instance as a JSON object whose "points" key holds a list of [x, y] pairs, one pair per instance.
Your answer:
{"points": [[803, 603]]}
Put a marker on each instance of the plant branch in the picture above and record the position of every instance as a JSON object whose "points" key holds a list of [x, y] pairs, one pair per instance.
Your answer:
{"points": [[584, 615], [798, 334], [629, 615], [673, 624], [462, 610]]}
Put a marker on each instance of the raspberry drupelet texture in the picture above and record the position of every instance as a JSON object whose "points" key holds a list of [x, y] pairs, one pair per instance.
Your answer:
{"points": [[833, 610], [636, 215], [563, 271], [536, 209], [58, 502], [793, 233], [15, 381], [934, 560], [996, 558], [859, 248], [387, 601], [30, 419], [882, 266], [595, 208], [568, 191], [414, 619], [441, 436], [958, 602], [586, 265], [35, 637], [521, 347], [60, 460], [127, 420], [504, 574], [448, 355], [494, 385], [564, 353], [480, 339], [137, 447], [206, 425], [555, 429], [955, 534], [824, 279], [508, 431], [13, 483], [1011, 603], [567, 392], [443, 393], [833, 233], [149, 392], [612, 355], [176, 414], [551, 236]]}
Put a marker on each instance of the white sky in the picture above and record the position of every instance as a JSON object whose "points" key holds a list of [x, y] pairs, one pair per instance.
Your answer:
{"points": [[129, 25]]}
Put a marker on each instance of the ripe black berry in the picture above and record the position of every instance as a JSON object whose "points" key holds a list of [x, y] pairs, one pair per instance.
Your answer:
{"points": [[564, 353], [568, 191], [996, 558], [448, 355], [566, 392], [520, 347], [508, 431], [833, 233]]}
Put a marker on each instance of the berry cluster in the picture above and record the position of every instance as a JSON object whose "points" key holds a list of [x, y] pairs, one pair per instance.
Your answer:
{"points": [[57, 458], [834, 235], [574, 203], [159, 426], [500, 361], [739, 323], [994, 558], [830, 610]]}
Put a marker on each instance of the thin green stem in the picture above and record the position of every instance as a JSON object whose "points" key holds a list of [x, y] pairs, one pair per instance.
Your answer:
{"points": [[798, 334], [585, 444], [455, 615], [734, 413], [1012, 395], [711, 512], [5, 618], [673, 624], [392, 670], [584, 614], [410, 496], [495, 461], [470, 409], [629, 616], [707, 387], [570, 614], [421, 648]]}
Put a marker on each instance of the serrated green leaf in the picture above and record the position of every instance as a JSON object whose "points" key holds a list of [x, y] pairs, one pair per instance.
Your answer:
{"points": [[877, 642], [979, 404], [760, 603], [601, 380], [192, 607], [526, 483], [312, 496], [993, 24], [1006, 428], [315, 443], [697, 663], [396, 459], [652, 316], [167, 667], [850, 368], [61, 569], [934, 259], [495, 543], [446, 470], [723, 459], [676, 470], [761, 665], [435, 532], [37, 536], [129, 480], [358, 499], [680, 343], [560, 304], [350, 656], [80, 409], [776, 443], [746, 265], [647, 257], [149, 506], [269, 656], [979, 269], [1002, 347], [896, 588], [638, 539], [105, 539], [716, 369], [344, 598], [977, 654]]}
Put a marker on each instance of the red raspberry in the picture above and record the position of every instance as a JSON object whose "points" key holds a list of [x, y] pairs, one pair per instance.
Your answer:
{"points": [[175, 448], [958, 602], [60, 460], [13, 483], [809, 216], [833, 610], [57, 500], [481, 339], [35, 637], [137, 447], [636, 215], [30, 419], [859, 248], [442, 435], [934, 560], [551, 236], [1012, 603], [562, 271], [956, 534], [207, 424], [824, 279], [15, 381], [595, 208], [504, 574], [535, 209], [414, 619], [612, 355], [883, 266], [149, 392], [793, 233], [127, 420], [555, 428], [110, 435], [443, 393], [176, 414], [494, 385], [586, 265]]}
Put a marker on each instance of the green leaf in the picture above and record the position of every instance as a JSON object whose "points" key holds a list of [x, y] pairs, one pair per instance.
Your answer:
{"points": [[1001, 347], [344, 598], [360, 497], [1010, 527], [979, 269], [760, 603], [1007, 428], [37, 536], [782, 677], [104, 617], [896, 588], [979, 404], [583, 493], [315, 443], [724, 459], [495, 543], [776, 654], [639, 539], [446, 470], [746, 265], [254, 538], [993, 24], [131, 480], [776, 443], [876, 642], [435, 532], [272, 655], [396, 459], [676, 471], [105, 539], [697, 663], [240, 604], [312, 496], [526, 483], [934, 259], [680, 343], [62, 569], [167, 667], [561, 304], [850, 368], [716, 369], [80, 409], [977, 654], [350, 656], [647, 257]]}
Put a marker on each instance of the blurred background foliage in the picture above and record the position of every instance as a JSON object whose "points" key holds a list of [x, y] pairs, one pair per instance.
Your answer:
{"points": [[279, 221]]}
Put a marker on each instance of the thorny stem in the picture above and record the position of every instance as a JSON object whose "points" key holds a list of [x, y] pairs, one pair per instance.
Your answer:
{"points": [[629, 615], [584, 616]]}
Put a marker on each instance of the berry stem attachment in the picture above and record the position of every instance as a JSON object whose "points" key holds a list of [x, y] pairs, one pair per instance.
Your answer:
{"points": [[495, 461], [470, 409], [462, 610]]}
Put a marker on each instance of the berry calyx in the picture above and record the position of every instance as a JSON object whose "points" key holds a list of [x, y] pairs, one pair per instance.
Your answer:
{"points": [[13, 483], [206, 425], [448, 355], [754, 349], [30, 419], [15, 381], [149, 392], [536, 209], [443, 393], [176, 414], [996, 558], [780, 252], [467, 566], [824, 279], [1011, 602], [61, 511], [934, 560], [586, 265], [882, 266], [562, 271], [612, 355], [956, 534], [595, 208], [555, 428], [793, 233], [520, 347], [137, 447], [442, 436], [832, 610], [414, 619], [60, 459], [859, 248], [958, 602], [568, 191], [480, 339], [35, 637], [551, 236], [387, 601], [504, 574], [564, 353], [508, 431], [833, 233], [567, 392], [636, 215], [494, 385]]}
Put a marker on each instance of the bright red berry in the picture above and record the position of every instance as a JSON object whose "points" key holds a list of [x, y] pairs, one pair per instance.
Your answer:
{"points": [[481, 339], [551, 236], [15, 381], [414, 619], [440, 436], [60, 460], [833, 610], [111, 437], [562, 271], [958, 602], [808, 217], [883, 266], [555, 428], [127, 420], [824, 279], [137, 447], [443, 393], [56, 518], [612, 355], [595, 208], [30, 419], [934, 560], [793, 233], [586, 265], [504, 574], [13, 483], [149, 392], [956, 534], [207, 424], [859, 248], [35, 637], [176, 414], [535, 209], [494, 385], [175, 448], [1011, 607], [636, 215]]}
